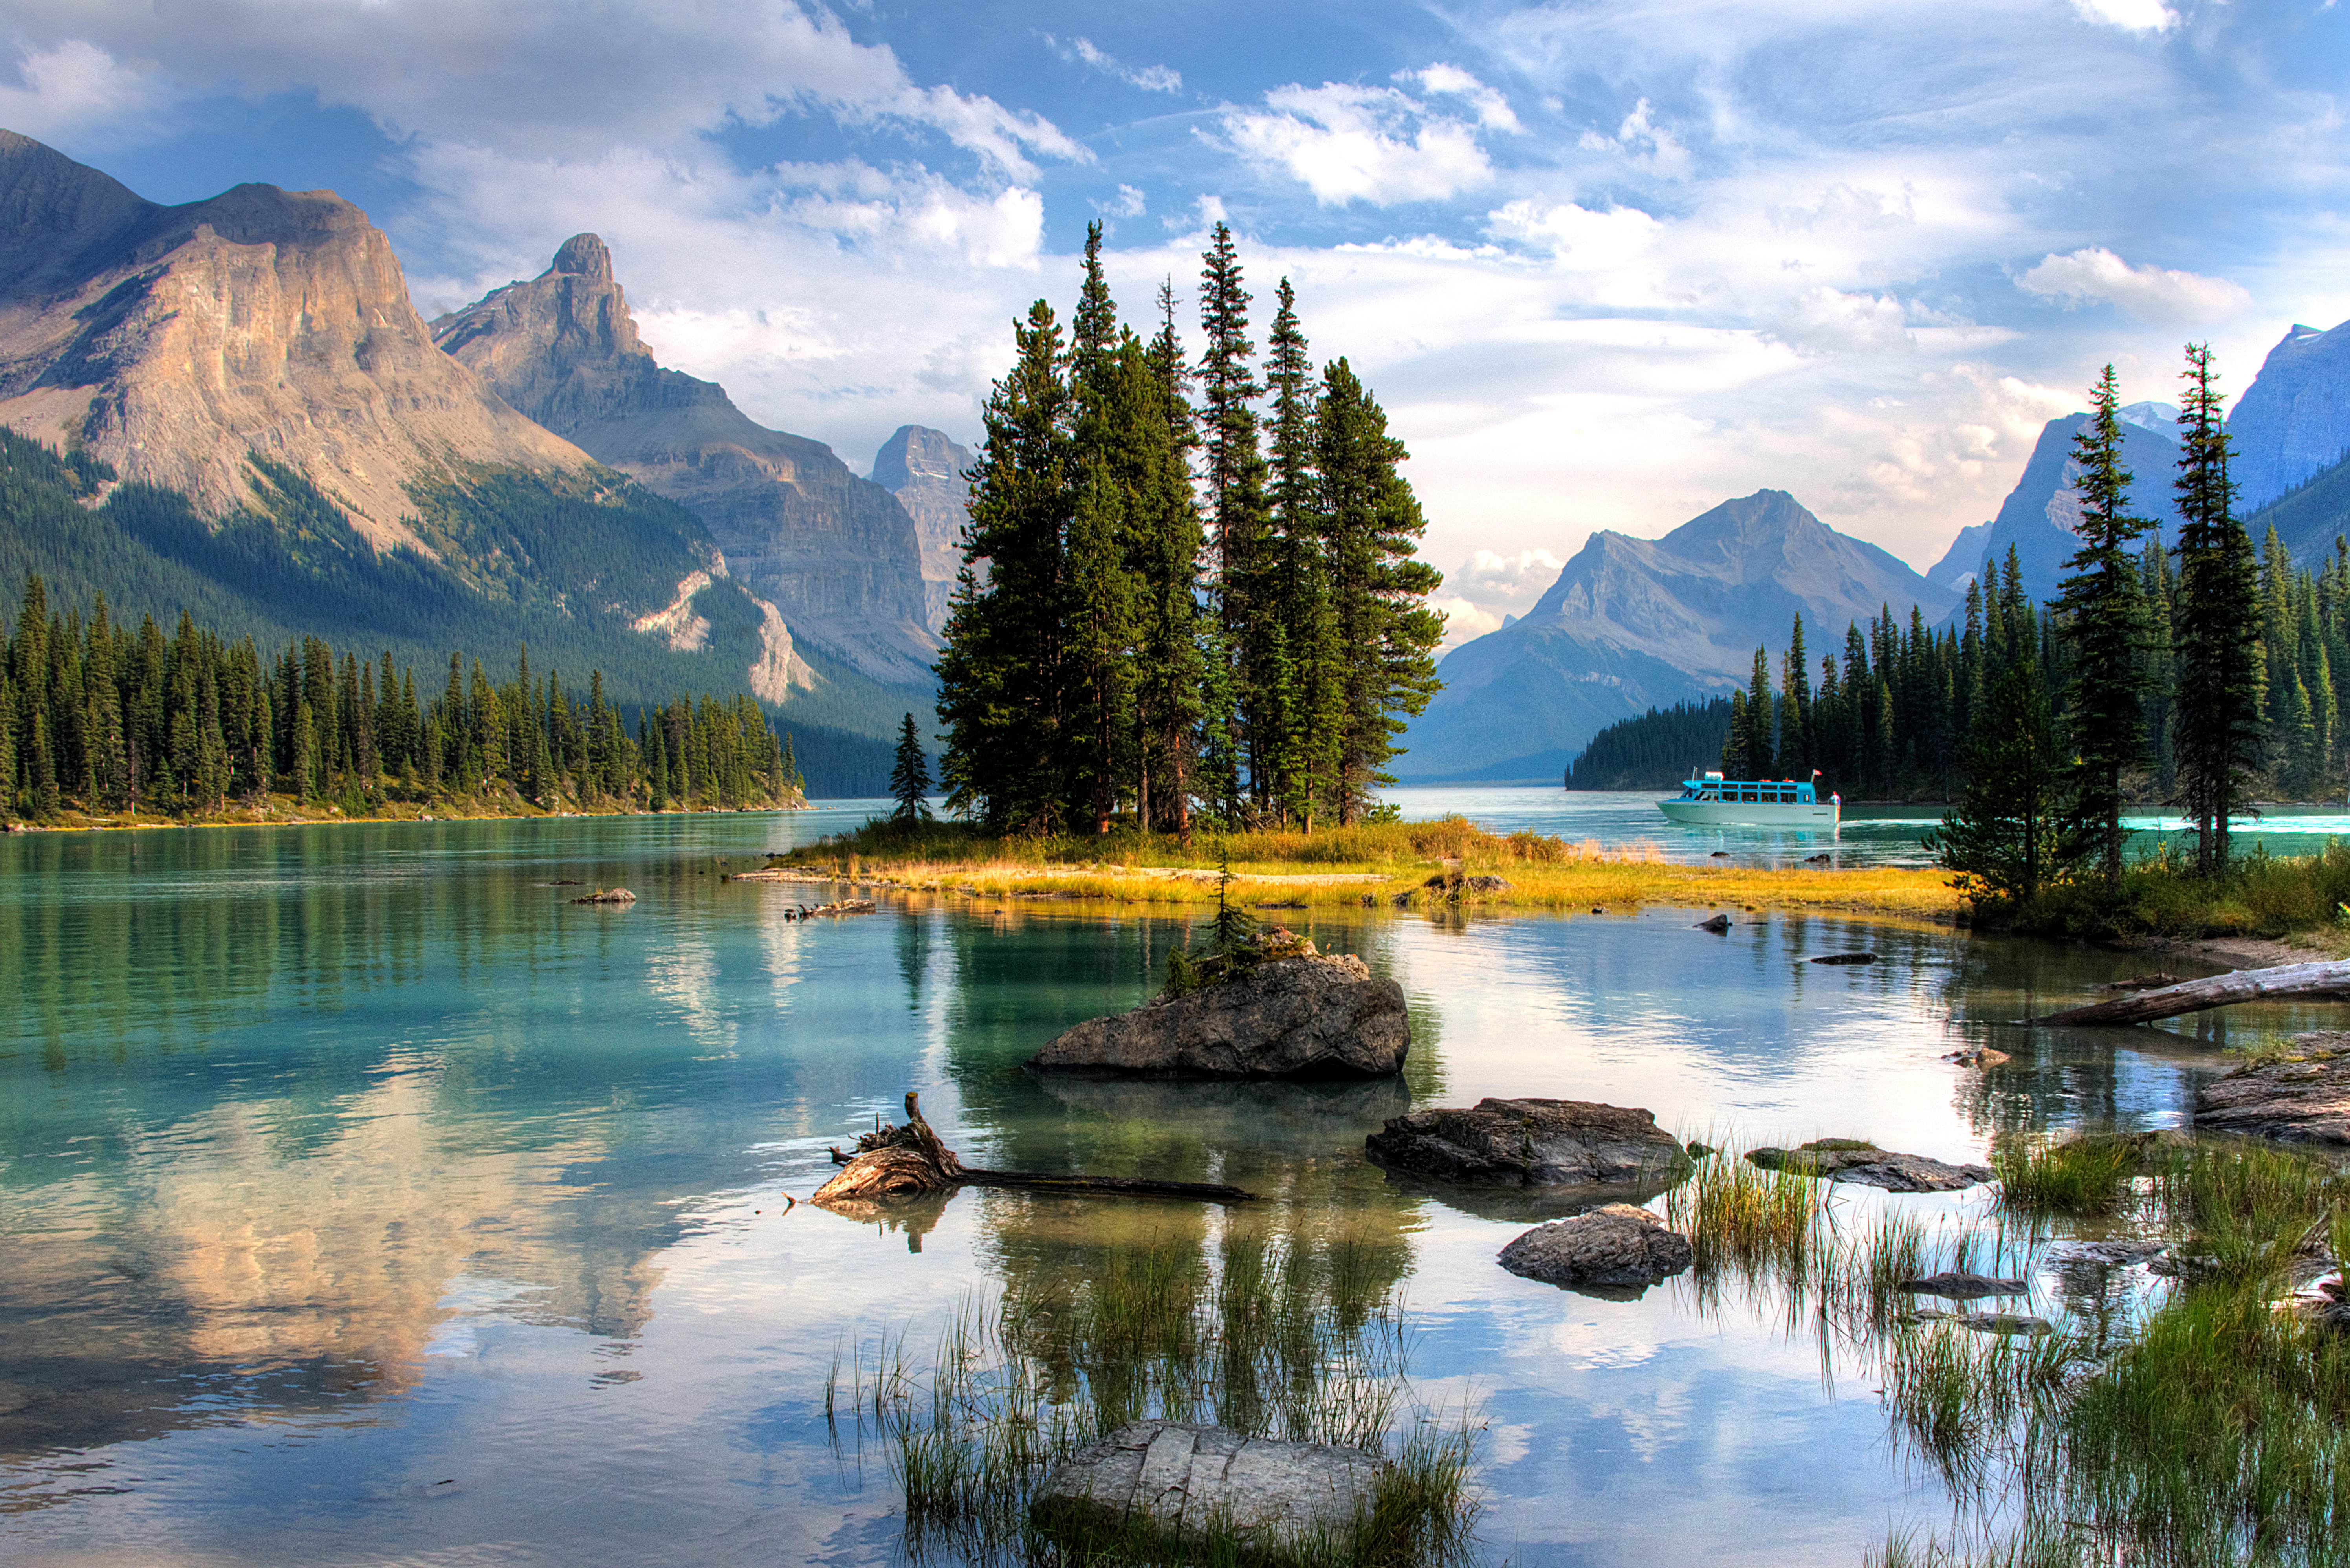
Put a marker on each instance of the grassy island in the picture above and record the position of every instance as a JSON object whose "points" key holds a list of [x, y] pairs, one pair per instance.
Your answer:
{"points": [[1451, 861]]}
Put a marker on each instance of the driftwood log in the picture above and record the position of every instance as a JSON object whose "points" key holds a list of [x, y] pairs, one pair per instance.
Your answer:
{"points": [[2327, 979], [909, 1160]]}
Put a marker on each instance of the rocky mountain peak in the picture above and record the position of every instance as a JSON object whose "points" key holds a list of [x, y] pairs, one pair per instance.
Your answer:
{"points": [[2294, 418], [585, 256], [836, 553], [173, 342], [924, 469]]}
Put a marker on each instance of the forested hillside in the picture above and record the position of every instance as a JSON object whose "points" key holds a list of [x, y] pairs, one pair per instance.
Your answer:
{"points": [[100, 720], [274, 576], [1655, 751]]}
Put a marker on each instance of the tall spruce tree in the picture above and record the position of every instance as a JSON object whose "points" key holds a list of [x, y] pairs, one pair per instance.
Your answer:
{"points": [[2216, 628], [1170, 540], [1378, 589], [2006, 838], [1235, 485], [1303, 764], [909, 774], [1002, 690], [2104, 623]]}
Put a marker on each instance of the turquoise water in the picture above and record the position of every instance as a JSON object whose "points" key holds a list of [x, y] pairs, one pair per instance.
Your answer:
{"points": [[363, 1200], [1873, 834]]}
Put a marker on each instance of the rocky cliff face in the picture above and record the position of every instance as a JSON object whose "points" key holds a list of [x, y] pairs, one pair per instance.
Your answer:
{"points": [[838, 554], [1632, 623], [173, 341], [2294, 418], [924, 470], [2038, 515]]}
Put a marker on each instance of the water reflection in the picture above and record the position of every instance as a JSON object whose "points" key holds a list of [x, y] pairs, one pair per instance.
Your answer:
{"points": [[337, 1163]]}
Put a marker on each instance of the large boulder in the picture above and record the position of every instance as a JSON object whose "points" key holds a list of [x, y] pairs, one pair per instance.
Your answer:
{"points": [[2303, 1098], [1615, 1244], [1530, 1143], [1288, 1018], [1183, 1480]]}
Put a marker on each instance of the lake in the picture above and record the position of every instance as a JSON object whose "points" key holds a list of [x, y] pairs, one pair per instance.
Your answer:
{"points": [[364, 1200]]}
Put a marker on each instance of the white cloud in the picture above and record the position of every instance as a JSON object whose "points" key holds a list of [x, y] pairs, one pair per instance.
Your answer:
{"points": [[1348, 143], [1150, 78], [2096, 276], [2133, 15], [1494, 110], [1824, 320], [1512, 582], [1126, 203], [549, 78], [75, 86], [1643, 143], [1464, 620]]}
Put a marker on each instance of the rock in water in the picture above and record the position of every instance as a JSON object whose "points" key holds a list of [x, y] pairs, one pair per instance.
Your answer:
{"points": [[2305, 1099], [1288, 1018], [1185, 1479], [1530, 1143], [1864, 1165], [1962, 1287], [614, 896], [1719, 924], [1615, 1244]]}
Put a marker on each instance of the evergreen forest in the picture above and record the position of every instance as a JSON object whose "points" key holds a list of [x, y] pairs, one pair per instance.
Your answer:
{"points": [[99, 718], [1189, 590]]}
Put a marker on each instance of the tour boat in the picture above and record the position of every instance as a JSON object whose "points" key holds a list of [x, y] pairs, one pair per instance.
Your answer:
{"points": [[1713, 801]]}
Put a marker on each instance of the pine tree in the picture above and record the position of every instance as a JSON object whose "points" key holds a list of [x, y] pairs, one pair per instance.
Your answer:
{"points": [[1001, 677], [910, 777], [1308, 717], [1235, 484], [2215, 631], [2104, 633], [1168, 541], [1378, 588], [2006, 837]]}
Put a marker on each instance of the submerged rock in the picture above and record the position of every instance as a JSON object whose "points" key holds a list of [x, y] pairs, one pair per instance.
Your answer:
{"points": [[613, 896], [2303, 1099], [1530, 1143], [1186, 1480], [1719, 924], [1962, 1287], [1988, 1322], [1846, 958], [1615, 1244], [1288, 1018], [1864, 1165]]}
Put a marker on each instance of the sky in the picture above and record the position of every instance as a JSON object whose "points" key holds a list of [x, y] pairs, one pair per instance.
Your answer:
{"points": [[1604, 264]]}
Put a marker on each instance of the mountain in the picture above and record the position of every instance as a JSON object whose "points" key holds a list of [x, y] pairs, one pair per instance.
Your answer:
{"points": [[2038, 514], [2294, 418], [835, 553], [924, 470], [1632, 624], [1963, 560], [230, 408], [170, 342]]}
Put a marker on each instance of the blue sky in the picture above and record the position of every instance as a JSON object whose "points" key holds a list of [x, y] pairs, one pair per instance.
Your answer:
{"points": [[1605, 264]]}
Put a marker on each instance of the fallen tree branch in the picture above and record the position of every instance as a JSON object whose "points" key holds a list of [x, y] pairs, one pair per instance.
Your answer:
{"points": [[2328, 978], [905, 1161]]}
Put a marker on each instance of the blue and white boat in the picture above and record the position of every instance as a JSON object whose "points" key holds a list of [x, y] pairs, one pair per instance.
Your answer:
{"points": [[1716, 802]]}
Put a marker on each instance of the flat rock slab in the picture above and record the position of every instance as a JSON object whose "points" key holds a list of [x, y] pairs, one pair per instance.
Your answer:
{"points": [[1183, 1480], [1960, 1287], [1615, 1245], [1287, 1018], [1530, 1143], [1989, 1321], [2304, 1101], [1873, 1168]]}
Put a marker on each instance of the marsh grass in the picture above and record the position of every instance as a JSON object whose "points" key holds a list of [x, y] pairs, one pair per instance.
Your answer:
{"points": [[1279, 1340], [2093, 1175], [2215, 1429], [1342, 867]]}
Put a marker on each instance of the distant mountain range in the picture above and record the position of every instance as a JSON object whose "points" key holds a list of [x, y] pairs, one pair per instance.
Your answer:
{"points": [[261, 430], [1635, 623], [1631, 624]]}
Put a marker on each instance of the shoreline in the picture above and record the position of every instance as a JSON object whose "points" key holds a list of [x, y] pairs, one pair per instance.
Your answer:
{"points": [[255, 816]]}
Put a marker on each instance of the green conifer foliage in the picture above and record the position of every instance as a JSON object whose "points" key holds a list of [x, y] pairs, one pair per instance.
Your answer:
{"points": [[2216, 633], [2103, 620], [2006, 838], [910, 776]]}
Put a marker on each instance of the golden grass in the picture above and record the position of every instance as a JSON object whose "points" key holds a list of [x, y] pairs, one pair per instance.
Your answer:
{"points": [[1371, 865]]}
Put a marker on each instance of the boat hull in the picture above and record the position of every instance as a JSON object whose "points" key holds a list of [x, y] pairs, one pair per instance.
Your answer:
{"points": [[1749, 814]]}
